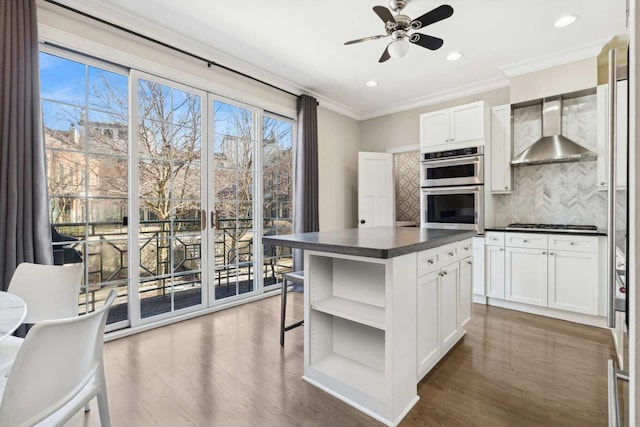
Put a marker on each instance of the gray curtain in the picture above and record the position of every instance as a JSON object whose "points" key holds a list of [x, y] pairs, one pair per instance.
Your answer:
{"points": [[24, 220], [306, 170]]}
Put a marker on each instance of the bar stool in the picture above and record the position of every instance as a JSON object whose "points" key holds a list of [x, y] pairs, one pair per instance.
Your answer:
{"points": [[296, 278]]}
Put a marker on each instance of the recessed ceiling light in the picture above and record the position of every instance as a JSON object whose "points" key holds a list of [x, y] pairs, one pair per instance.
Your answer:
{"points": [[565, 20], [372, 83], [454, 56]]}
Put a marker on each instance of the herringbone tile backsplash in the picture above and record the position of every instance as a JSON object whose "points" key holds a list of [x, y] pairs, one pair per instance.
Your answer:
{"points": [[560, 193]]}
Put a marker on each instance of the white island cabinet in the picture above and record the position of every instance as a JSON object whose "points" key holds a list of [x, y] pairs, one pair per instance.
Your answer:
{"points": [[370, 314]]}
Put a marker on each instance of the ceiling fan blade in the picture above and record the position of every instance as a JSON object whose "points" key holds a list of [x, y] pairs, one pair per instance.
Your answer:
{"points": [[430, 42], [384, 14], [436, 15], [385, 55], [364, 39]]}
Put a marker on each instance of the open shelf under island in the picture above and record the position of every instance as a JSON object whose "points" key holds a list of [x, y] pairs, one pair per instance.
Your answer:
{"points": [[382, 306]]}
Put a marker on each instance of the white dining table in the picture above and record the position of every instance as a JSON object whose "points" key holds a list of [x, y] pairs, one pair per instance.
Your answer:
{"points": [[12, 312]]}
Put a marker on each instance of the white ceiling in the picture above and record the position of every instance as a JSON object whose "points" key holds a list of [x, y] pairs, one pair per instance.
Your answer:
{"points": [[298, 44]]}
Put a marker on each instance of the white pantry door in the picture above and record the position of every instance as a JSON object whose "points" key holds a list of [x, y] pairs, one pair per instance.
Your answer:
{"points": [[375, 190]]}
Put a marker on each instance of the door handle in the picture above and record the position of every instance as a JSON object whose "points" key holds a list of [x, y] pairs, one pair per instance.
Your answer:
{"points": [[203, 219], [214, 219], [362, 221]]}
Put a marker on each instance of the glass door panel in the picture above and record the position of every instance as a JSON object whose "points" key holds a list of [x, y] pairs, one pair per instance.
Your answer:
{"points": [[86, 135], [277, 194], [170, 198], [233, 180]]}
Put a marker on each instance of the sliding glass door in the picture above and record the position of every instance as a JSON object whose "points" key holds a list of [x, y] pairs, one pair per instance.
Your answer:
{"points": [[176, 183], [168, 121], [233, 184], [86, 134]]}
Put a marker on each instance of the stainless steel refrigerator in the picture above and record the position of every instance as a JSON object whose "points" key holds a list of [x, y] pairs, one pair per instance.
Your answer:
{"points": [[613, 71]]}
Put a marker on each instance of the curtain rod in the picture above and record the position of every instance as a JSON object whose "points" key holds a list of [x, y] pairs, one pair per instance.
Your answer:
{"points": [[163, 44]]}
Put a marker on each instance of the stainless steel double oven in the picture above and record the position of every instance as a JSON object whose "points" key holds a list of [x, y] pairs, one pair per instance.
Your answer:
{"points": [[453, 189]]}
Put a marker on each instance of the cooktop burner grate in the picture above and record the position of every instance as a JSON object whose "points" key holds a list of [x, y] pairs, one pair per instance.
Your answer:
{"points": [[572, 227]]}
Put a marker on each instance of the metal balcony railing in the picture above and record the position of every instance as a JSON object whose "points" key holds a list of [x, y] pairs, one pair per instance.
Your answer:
{"points": [[170, 255]]}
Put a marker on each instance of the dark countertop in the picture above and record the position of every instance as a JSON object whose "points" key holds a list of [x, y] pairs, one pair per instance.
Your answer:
{"points": [[533, 230], [372, 242]]}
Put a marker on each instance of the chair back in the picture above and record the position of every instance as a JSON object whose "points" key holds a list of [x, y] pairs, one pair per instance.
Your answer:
{"points": [[56, 361], [50, 291]]}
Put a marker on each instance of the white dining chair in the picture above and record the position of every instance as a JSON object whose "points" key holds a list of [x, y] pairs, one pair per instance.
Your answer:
{"points": [[57, 371], [49, 291]]}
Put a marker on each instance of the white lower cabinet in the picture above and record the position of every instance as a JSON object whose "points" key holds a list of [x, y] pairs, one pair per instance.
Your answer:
{"points": [[526, 276], [449, 324], [444, 302], [465, 307], [573, 281], [559, 271], [429, 342], [494, 271], [478, 266]]}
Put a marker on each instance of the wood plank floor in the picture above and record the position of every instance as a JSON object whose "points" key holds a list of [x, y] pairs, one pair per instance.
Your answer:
{"points": [[228, 369]]}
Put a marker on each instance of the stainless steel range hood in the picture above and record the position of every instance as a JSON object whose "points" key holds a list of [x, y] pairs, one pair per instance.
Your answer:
{"points": [[553, 147]]}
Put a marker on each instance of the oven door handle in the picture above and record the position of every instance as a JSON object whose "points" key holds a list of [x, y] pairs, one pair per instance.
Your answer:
{"points": [[451, 162], [453, 190]]}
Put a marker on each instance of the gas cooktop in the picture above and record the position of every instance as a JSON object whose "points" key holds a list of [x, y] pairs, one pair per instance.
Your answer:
{"points": [[554, 227]]}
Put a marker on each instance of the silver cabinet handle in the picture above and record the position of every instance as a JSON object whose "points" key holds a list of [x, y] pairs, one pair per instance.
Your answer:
{"points": [[544, 253], [469, 262], [444, 273], [430, 261], [525, 241], [572, 243], [450, 253], [501, 249], [506, 187], [551, 253], [466, 248]]}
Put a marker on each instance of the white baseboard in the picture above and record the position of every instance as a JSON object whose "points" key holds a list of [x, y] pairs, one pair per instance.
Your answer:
{"points": [[585, 319]]}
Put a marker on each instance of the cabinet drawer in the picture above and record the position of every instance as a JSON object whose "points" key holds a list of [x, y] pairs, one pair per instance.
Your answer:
{"points": [[562, 242], [494, 238], [526, 240], [465, 249], [428, 261], [450, 253]]}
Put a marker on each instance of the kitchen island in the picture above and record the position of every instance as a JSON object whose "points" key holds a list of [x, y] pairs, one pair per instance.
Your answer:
{"points": [[382, 306]]}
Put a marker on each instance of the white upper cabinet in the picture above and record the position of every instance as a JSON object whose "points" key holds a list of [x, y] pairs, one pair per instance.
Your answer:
{"points": [[455, 127], [466, 122], [501, 149], [603, 132], [434, 128]]}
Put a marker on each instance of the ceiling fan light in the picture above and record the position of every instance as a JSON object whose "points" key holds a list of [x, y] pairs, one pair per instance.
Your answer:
{"points": [[399, 48]]}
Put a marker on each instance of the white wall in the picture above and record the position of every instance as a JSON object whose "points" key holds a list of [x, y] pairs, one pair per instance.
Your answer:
{"points": [[565, 78], [338, 141]]}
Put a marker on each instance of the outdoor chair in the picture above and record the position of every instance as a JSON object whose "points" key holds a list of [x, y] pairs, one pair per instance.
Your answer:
{"points": [[64, 254], [49, 291], [58, 370]]}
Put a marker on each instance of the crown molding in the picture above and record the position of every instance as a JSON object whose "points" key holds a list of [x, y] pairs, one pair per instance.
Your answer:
{"points": [[438, 97], [587, 51]]}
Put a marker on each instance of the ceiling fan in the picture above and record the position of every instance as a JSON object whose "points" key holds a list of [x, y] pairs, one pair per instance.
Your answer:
{"points": [[399, 25]]}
